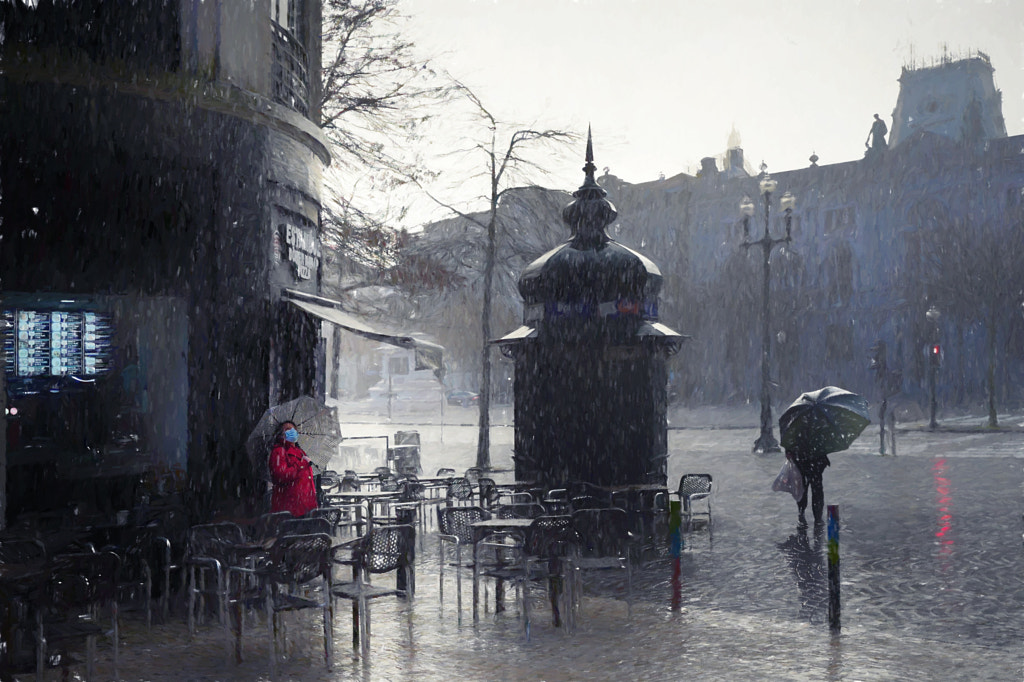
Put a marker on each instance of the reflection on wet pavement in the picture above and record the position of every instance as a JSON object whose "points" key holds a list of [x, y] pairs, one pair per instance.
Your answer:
{"points": [[932, 569]]}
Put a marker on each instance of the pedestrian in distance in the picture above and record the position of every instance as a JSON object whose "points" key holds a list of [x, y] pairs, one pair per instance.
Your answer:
{"points": [[811, 467], [292, 474]]}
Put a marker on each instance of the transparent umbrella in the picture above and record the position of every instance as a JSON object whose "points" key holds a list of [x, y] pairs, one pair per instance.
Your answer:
{"points": [[317, 424]]}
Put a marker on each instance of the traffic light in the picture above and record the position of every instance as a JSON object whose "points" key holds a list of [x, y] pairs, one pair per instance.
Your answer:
{"points": [[935, 355]]}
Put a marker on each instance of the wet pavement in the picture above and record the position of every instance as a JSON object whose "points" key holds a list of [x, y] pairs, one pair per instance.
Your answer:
{"points": [[932, 567]]}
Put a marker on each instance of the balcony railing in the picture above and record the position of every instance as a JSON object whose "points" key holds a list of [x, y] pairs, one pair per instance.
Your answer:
{"points": [[291, 71]]}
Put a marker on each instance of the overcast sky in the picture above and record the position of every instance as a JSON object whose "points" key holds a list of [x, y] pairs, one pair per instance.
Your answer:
{"points": [[663, 82]]}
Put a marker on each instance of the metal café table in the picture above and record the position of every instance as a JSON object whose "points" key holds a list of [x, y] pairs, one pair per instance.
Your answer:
{"points": [[368, 498], [481, 529], [641, 503]]}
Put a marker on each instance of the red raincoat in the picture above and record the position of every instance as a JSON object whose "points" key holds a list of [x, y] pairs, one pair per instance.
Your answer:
{"points": [[294, 488]]}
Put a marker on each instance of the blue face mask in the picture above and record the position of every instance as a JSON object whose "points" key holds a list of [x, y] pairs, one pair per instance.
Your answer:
{"points": [[291, 435]]}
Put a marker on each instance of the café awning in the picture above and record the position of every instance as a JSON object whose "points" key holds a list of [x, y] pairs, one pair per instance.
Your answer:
{"points": [[428, 355]]}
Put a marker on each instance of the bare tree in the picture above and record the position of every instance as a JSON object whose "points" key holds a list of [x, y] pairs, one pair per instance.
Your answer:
{"points": [[503, 164], [973, 271], [376, 95]]}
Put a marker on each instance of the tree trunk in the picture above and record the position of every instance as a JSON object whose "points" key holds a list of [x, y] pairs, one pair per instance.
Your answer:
{"points": [[483, 443], [992, 420]]}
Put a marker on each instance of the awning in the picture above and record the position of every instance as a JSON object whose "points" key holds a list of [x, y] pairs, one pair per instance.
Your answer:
{"points": [[428, 355]]}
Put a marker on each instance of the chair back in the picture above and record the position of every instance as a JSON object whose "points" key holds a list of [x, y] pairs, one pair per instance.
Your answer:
{"points": [[412, 491], [387, 548], [488, 491], [304, 526], [459, 490], [458, 522], [328, 481], [299, 558], [389, 481], [604, 532], [473, 474], [100, 572], [267, 525], [379, 471], [445, 471], [333, 515], [521, 510], [691, 485], [214, 539], [350, 483], [588, 502], [551, 536], [22, 551]]}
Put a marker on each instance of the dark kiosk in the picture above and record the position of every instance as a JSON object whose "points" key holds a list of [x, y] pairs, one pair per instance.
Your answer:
{"points": [[590, 357]]}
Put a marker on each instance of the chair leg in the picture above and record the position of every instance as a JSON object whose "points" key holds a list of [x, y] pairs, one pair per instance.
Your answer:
{"points": [[329, 632], [268, 607], [440, 585], [364, 626], [40, 646], [458, 580], [222, 596], [117, 639], [191, 601], [356, 623]]}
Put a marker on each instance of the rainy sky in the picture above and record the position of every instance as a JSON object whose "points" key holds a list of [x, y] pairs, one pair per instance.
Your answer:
{"points": [[663, 82]]}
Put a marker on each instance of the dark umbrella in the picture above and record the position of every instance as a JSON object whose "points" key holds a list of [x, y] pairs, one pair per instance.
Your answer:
{"points": [[317, 424], [823, 421]]}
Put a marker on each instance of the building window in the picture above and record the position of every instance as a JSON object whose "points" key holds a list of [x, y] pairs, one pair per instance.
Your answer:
{"points": [[399, 365], [838, 344], [288, 15], [840, 220], [291, 66]]}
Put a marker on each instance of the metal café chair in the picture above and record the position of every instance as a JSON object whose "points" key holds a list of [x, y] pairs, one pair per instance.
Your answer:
{"points": [[382, 550], [298, 576], [695, 488], [267, 525], [473, 475], [459, 492], [488, 492], [79, 586], [607, 543], [544, 553], [209, 551], [455, 528]]}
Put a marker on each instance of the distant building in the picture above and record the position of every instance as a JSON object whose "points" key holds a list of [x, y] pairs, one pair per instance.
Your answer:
{"points": [[862, 265], [875, 243]]}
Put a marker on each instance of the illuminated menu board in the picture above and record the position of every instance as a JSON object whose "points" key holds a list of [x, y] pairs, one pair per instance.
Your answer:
{"points": [[41, 343]]}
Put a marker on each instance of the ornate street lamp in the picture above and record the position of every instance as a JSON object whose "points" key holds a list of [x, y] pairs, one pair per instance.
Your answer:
{"points": [[934, 361], [766, 441]]}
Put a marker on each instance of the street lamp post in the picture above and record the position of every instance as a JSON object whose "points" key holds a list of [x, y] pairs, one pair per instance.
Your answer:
{"points": [[934, 358], [766, 441]]}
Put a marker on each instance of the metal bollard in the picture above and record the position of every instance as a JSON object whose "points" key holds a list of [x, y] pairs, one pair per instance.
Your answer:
{"points": [[833, 567], [675, 536]]}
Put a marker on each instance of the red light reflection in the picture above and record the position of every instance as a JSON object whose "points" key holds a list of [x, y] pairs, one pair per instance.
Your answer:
{"points": [[944, 499]]}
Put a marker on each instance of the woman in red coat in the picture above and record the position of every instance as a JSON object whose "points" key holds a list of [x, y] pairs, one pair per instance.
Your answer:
{"points": [[292, 473]]}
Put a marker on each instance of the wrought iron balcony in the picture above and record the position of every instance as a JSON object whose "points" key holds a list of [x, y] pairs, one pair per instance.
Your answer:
{"points": [[291, 72]]}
